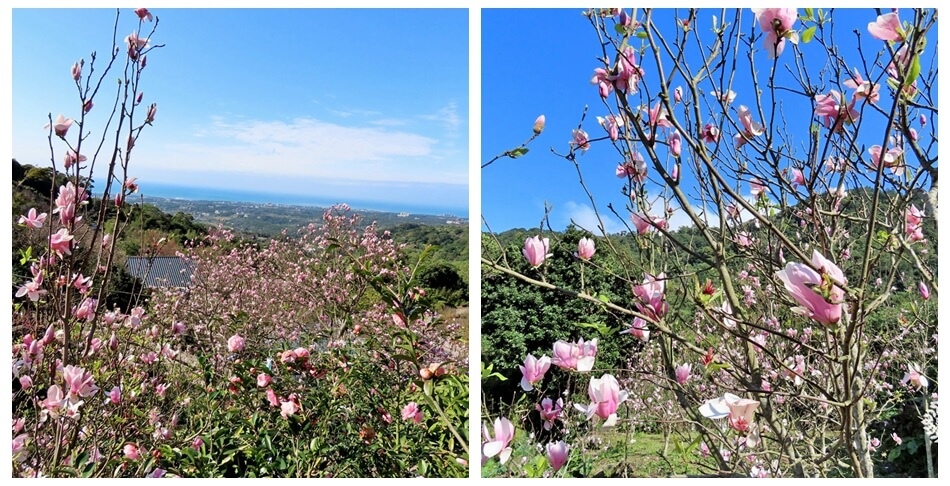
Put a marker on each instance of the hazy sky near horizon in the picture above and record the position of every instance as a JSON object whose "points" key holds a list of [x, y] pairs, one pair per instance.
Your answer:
{"points": [[369, 103]]}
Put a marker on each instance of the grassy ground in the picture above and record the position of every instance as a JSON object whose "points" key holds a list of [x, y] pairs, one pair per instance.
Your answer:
{"points": [[609, 455]]}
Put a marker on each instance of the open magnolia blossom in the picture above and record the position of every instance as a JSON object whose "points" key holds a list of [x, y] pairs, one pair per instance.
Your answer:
{"points": [[740, 411], [501, 445], [533, 371], [577, 356], [605, 397], [818, 293]]}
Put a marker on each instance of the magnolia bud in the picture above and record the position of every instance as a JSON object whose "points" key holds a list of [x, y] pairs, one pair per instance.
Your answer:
{"points": [[539, 125]]}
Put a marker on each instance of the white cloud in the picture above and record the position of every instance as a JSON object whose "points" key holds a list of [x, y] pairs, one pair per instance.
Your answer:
{"points": [[311, 148], [449, 117], [584, 217]]}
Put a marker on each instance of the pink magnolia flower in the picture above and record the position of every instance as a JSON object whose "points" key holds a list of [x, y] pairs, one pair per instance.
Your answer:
{"points": [[33, 220], [658, 116], [915, 376], [412, 412], [19, 447], [798, 178], [893, 159], [533, 371], [26, 381], [887, 27], [235, 344], [585, 249], [60, 125], [131, 451], [115, 395], [33, 289], [263, 380], [550, 411], [76, 71], [628, 72], [756, 187], [751, 128], [577, 356], [862, 88], [818, 294], [54, 403], [149, 357], [580, 139], [651, 294], [86, 309], [197, 443], [833, 112], [740, 411], [923, 120], [710, 133], [642, 224], [683, 373], [913, 219], [605, 397], [612, 124], [69, 194], [778, 25], [289, 407], [150, 115], [78, 382], [602, 80], [924, 291], [726, 97], [676, 143], [536, 250], [743, 239], [634, 168], [143, 14], [638, 330], [678, 94], [557, 453], [897, 438], [272, 397], [157, 473], [135, 45], [71, 158], [500, 445], [539, 125]]}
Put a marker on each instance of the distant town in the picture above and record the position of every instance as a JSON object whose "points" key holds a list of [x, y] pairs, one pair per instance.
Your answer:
{"points": [[268, 219]]}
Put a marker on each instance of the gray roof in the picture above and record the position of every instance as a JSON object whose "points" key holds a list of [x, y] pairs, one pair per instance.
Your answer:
{"points": [[163, 271]]}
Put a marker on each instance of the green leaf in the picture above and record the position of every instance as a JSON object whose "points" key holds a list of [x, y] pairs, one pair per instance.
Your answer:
{"points": [[600, 327], [809, 14], [603, 298], [518, 152], [914, 71], [26, 255], [641, 34], [808, 34], [715, 368], [620, 29]]}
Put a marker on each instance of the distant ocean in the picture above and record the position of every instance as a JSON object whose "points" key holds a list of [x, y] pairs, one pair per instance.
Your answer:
{"points": [[171, 191]]}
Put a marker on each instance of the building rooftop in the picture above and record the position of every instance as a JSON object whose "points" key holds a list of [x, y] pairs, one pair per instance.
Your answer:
{"points": [[162, 271]]}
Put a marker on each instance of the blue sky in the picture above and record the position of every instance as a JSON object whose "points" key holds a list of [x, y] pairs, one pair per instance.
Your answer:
{"points": [[541, 61], [370, 104]]}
